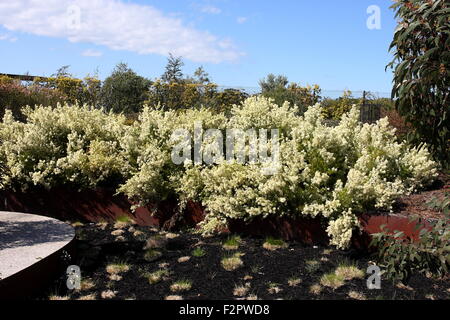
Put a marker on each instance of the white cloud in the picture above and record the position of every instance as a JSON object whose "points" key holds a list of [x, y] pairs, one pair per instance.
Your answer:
{"points": [[117, 25], [92, 53], [7, 37], [210, 9], [241, 20]]}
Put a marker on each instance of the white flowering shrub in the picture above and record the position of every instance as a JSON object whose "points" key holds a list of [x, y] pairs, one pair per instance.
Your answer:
{"points": [[330, 173], [325, 172], [64, 145], [154, 176]]}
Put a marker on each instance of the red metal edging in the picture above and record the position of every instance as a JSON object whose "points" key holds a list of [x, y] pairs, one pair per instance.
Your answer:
{"points": [[101, 204]]}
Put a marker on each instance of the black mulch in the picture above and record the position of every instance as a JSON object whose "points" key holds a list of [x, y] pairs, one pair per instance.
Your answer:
{"points": [[262, 269]]}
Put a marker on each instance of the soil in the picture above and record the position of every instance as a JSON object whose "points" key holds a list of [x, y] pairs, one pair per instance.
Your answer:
{"points": [[264, 273], [418, 203]]}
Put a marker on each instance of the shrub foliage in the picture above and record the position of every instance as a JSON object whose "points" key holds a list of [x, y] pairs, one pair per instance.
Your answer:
{"points": [[401, 257]]}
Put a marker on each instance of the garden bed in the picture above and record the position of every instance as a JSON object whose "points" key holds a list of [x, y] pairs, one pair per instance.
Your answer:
{"points": [[293, 271], [102, 205]]}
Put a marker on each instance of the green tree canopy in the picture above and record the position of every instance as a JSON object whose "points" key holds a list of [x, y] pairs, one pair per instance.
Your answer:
{"points": [[124, 90], [280, 90], [421, 64]]}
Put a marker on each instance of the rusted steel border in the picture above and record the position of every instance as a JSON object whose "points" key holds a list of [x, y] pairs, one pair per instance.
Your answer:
{"points": [[102, 204]]}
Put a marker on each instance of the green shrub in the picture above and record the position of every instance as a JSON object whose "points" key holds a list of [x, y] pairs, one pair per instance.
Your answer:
{"points": [[401, 256], [14, 96], [440, 204]]}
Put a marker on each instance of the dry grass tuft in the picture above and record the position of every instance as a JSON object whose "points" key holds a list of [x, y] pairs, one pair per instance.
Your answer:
{"points": [[312, 266], [181, 285], [117, 233], [108, 294], [332, 280], [173, 298], [157, 276], [117, 268], [315, 289], [139, 235], [115, 277], [91, 296], [274, 288], [293, 282], [183, 259], [349, 271], [232, 243], [357, 295], [87, 284], [233, 262], [241, 290], [274, 244], [56, 297]]}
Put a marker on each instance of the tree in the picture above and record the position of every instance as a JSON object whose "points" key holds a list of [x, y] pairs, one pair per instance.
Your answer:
{"points": [[333, 109], [62, 72], [124, 90], [201, 76], [272, 83], [173, 71], [421, 66], [224, 100], [280, 90]]}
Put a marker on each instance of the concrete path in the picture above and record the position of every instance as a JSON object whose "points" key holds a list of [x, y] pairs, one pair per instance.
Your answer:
{"points": [[27, 238]]}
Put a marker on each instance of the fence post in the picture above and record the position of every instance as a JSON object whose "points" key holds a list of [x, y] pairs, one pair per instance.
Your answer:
{"points": [[363, 110]]}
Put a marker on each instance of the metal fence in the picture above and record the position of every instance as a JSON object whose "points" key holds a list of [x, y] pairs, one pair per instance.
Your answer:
{"points": [[333, 94], [370, 111]]}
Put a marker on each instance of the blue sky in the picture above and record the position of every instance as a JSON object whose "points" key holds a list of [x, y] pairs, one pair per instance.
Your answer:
{"points": [[237, 41]]}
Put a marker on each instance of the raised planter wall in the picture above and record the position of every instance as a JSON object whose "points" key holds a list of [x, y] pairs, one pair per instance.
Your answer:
{"points": [[102, 205]]}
